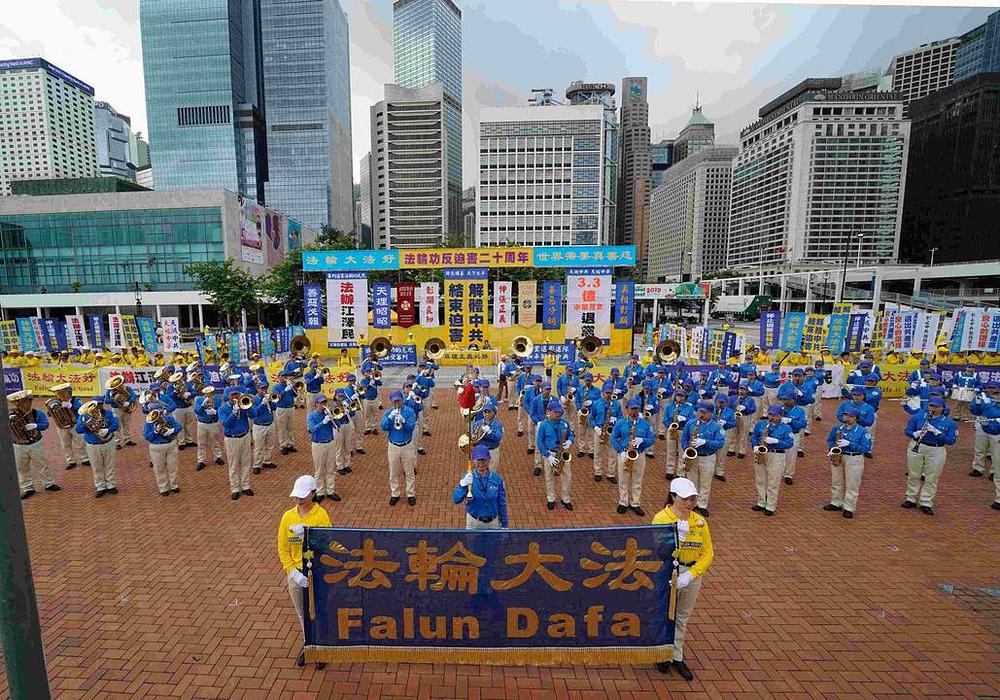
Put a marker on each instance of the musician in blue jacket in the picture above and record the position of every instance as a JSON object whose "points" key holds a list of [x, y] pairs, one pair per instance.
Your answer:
{"points": [[603, 412], [725, 417], [742, 403], [795, 418], [772, 380], [555, 437], [162, 447], [873, 397], [488, 422], [823, 376], [586, 395], [284, 409], [399, 423], [206, 410], [776, 436], [704, 436], [681, 412], [123, 438], [314, 380], [536, 411], [755, 390], [487, 509], [964, 387], [986, 409], [532, 388], [853, 442], [633, 432], [100, 448], [866, 416], [262, 431], [236, 436], [917, 376], [930, 432], [650, 407]]}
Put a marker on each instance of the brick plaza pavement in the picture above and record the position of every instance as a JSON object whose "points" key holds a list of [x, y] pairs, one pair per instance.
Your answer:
{"points": [[183, 597]]}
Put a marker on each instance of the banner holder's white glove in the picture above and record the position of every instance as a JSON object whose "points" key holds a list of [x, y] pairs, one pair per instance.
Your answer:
{"points": [[684, 579], [843, 443], [298, 578]]}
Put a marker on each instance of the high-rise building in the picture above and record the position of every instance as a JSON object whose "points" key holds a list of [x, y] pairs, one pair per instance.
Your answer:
{"points": [[112, 137], [978, 50], [307, 88], [202, 63], [46, 123], [661, 157], [138, 150], [634, 173], [540, 175], [696, 134], [364, 215], [581, 93], [953, 177], [427, 48], [689, 217], [820, 176], [411, 192], [469, 215], [924, 70]]}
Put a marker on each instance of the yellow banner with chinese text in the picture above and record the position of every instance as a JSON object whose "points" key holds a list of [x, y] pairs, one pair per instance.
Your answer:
{"points": [[465, 257], [86, 381]]}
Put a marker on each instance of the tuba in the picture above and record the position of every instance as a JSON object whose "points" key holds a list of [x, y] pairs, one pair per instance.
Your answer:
{"points": [[159, 421], [93, 419], [380, 347], [119, 394], [590, 346], [667, 351], [20, 411], [299, 345], [63, 416], [522, 346], [434, 348]]}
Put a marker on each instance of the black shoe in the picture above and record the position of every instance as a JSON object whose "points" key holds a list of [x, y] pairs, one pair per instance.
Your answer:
{"points": [[99, 493], [130, 443], [334, 496], [427, 433], [367, 432], [118, 447], [393, 500], [818, 419], [927, 510], [411, 500], [664, 667], [198, 467], [661, 437], [86, 462], [320, 665], [219, 460], [342, 472], [284, 450], [789, 480], [579, 453], [270, 465], [567, 506], [53, 487], [360, 450], [27, 494], [757, 508], [922, 477], [769, 513], [177, 489], [907, 504], [869, 455], [318, 498], [71, 465], [597, 478], [741, 455], [683, 670], [590, 454], [719, 477], [701, 511], [640, 512], [182, 446], [801, 453], [975, 473], [421, 451], [301, 660], [848, 514], [113, 490], [292, 448], [247, 492], [668, 476], [831, 507], [537, 471], [256, 470], [730, 453], [550, 505], [613, 480], [995, 505], [650, 455], [621, 509], [235, 496], [520, 433], [167, 493]]}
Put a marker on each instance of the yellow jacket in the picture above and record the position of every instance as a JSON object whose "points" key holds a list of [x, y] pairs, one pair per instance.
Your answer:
{"points": [[289, 545], [696, 549], [549, 361], [646, 360]]}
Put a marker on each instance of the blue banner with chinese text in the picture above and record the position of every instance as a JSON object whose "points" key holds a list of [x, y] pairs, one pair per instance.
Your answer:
{"points": [[312, 305], [792, 331], [382, 305], [551, 305], [624, 303], [770, 329]]}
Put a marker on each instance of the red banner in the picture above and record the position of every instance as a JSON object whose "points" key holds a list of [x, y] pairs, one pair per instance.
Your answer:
{"points": [[406, 308]]}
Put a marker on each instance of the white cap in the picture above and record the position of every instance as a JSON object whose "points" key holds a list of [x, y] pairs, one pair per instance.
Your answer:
{"points": [[304, 485], [683, 488], [649, 348]]}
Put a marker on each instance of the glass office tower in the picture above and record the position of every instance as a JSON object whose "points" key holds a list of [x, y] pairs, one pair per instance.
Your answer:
{"points": [[307, 82], [204, 95], [427, 47]]}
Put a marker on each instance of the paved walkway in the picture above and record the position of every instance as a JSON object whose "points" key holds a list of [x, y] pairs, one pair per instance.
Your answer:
{"points": [[183, 597]]}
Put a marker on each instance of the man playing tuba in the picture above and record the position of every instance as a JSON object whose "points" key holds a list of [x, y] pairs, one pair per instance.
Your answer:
{"points": [[62, 410], [98, 426], [123, 400], [27, 425]]}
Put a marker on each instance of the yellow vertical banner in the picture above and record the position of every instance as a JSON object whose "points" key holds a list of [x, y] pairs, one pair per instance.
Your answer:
{"points": [[130, 329], [814, 333], [465, 301], [526, 301], [9, 339], [842, 307]]}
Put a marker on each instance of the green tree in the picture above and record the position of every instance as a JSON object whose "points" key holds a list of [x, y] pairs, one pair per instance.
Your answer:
{"points": [[331, 238], [230, 288]]}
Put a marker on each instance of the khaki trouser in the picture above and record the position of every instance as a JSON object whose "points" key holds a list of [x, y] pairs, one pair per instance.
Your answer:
{"points": [[962, 410], [324, 456], [370, 411], [189, 425], [929, 462], [981, 450], [700, 471], [565, 480], [417, 437], [675, 463], [817, 407], [871, 429], [425, 418], [343, 439], [209, 439], [767, 479], [605, 458], [846, 481], [720, 456], [125, 429], [792, 455], [533, 443], [102, 463], [686, 598], [522, 413], [283, 424], [25, 456], [72, 445], [584, 442], [238, 455], [263, 444], [402, 460], [473, 524], [770, 397], [297, 594], [743, 437], [495, 459], [164, 459], [630, 480]]}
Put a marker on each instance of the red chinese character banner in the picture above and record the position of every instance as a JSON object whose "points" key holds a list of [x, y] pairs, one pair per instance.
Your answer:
{"points": [[430, 297], [406, 307], [588, 302]]}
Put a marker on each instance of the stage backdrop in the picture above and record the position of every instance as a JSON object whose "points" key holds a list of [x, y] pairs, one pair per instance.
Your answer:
{"points": [[598, 595]]}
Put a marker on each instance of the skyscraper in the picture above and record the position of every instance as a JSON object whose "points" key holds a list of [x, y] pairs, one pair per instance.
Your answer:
{"points": [[427, 47], [581, 93], [696, 134], [46, 123], [978, 50], [634, 173], [112, 137], [307, 87], [661, 156], [205, 94], [925, 69]]}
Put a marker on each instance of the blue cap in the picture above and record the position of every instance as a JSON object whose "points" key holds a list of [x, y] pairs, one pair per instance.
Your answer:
{"points": [[485, 383], [570, 369], [546, 385], [820, 363], [171, 368], [634, 356], [935, 401], [858, 390], [681, 392], [774, 410], [588, 377], [912, 391], [98, 399], [634, 403], [933, 375], [536, 378], [775, 365], [555, 407], [156, 386], [865, 363], [396, 396], [797, 372], [321, 398], [340, 394], [351, 378], [614, 371], [936, 391], [852, 412], [647, 384], [608, 386], [706, 406], [924, 361], [660, 369], [744, 384], [481, 452], [721, 397], [786, 392]]}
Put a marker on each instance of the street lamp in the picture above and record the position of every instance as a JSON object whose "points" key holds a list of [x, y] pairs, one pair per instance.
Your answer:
{"points": [[847, 254], [933, 250], [860, 236]]}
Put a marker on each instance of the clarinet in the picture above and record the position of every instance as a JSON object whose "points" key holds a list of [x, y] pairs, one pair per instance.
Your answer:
{"points": [[920, 434]]}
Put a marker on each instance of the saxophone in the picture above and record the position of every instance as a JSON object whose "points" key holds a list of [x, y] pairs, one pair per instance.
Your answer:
{"points": [[836, 454], [562, 456], [606, 428], [691, 453], [632, 454], [760, 452]]}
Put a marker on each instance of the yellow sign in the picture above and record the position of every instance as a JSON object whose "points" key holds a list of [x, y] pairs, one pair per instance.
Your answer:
{"points": [[465, 257], [455, 357], [86, 382]]}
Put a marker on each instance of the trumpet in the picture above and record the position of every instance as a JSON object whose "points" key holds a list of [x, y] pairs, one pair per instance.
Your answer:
{"points": [[275, 397], [353, 406], [241, 402]]}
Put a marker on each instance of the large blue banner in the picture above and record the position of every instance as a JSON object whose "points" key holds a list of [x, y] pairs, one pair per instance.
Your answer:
{"points": [[266, 343], [855, 333], [382, 305], [96, 330], [564, 353], [53, 335], [253, 343], [312, 304], [597, 595], [770, 329], [792, 329], [234, 348], [728, 346], [281, 340], [551, 305], [26, 332], [399, 356], [147, 333], [12, 380], [836, 333], [624, 304]]}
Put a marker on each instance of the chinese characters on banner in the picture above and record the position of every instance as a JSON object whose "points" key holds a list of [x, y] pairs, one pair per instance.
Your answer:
{"points": [[117, 336], [814, 333], [281, 340], [147, 333], [465, 257], [53, 334], [526, 299], [405, 304], [382, 305], [130, 331], [76, 332], [624, 303], [588, 302], [430, 296], [770, 329], [9, 339], [791, 333], [503, 298], [312, 301], [234, 348], [171, 329], [465, 304], [266, 343], [836, 333], [346, 308], [96, 330], [855, 334], [551, 305], [253, 343], [925, 333]]}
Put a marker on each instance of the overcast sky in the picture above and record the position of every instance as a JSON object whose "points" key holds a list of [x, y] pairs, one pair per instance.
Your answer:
{"points": [[736, 56]]}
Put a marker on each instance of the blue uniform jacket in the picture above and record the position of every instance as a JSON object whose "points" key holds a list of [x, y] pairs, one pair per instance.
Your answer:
{"points": [[583, 394], [727, 416], [199, 410], [967, 381], [780, 431], [286, 394], [538, 406], [132, 396], [649, 403], [797, 416], [314, 381], [861, 441], [710, 432], [489, 497], [866, 416], [623, 429], [493, 438], [873, 396], [92, 439], [401, 435], [564, 382], [755, 388], [262, 412], [157, 439], [989, 411], [948, 430], [772, 380], [550, 436], [682, 413], [599, 409], [749, 405], [161, 402], [234, 423], [319, 430]]}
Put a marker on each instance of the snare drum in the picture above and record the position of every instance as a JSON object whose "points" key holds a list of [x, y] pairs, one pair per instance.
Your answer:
{"points": [[964, 394]]}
